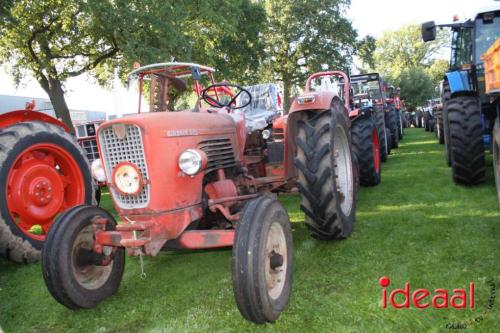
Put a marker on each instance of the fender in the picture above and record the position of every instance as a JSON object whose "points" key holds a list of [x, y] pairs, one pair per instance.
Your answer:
{"points": [[458, 81], [18, 116]]}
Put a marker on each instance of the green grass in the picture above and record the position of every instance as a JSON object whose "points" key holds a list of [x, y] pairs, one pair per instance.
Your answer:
{"points": [[416, 226]]}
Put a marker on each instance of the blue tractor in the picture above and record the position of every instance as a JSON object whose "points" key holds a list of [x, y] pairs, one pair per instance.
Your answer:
{"points": [[468, 113]]}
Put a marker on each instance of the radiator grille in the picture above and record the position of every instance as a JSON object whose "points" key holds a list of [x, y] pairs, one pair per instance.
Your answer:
{"points": [[220, 153], [129, 149], [278, 134], [90, 148]]}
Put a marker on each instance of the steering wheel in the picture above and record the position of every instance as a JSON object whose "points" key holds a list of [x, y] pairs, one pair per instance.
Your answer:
{"points": [[219, 104]]}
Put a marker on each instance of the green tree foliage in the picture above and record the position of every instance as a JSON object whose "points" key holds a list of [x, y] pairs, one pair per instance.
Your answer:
{"points": [[404, 48], [53, 40], [437, 69], [416, 85], [57, 39], [403, 58], [302, 37], [365, 49]]}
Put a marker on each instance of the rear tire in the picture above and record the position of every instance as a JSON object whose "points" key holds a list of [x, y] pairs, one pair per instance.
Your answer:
{"points": [[365, 146], [439, 127], [393, 128], [35, 154], [262, 260], [466, 138], [325, 170], [400, 124], [446, 125], [74, 283], [381, 129]]}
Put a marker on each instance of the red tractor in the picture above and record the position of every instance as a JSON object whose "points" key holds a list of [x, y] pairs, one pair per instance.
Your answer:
{"points": [[43, 172], [205, 178]]}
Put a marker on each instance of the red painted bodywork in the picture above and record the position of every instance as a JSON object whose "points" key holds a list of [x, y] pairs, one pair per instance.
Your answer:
{"points": [[19, 116], [176, 200]]}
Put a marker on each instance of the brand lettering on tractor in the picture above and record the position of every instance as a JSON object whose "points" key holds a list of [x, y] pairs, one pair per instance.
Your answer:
{"points": [[439, 299], [182, 132]]}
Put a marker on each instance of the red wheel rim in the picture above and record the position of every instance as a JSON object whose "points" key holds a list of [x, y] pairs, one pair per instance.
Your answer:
{"points": [[376, 150], [44, 180]]}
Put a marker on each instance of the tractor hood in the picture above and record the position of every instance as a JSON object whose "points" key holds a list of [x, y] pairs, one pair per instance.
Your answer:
{"points": [[177, 124], [153, 142]]}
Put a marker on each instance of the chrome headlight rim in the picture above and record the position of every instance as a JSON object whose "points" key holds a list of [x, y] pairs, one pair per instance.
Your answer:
{"points": [[192, 161]]}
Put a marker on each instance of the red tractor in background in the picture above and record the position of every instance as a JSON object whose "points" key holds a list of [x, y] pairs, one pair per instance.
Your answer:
{"points": [[43, 172], [204, 178]]}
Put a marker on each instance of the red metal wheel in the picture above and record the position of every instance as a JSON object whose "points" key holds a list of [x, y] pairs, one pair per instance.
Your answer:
{"points": [[44, 180]]}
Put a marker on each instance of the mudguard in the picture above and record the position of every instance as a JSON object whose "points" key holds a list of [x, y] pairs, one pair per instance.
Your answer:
{"points": [[458, 81], [14, 117]]}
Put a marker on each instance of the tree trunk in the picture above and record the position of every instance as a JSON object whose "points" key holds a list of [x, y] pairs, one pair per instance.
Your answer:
{"points": [[54, 89], [286, 95]]}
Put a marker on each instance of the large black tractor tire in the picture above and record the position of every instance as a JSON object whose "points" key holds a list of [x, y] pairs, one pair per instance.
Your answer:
{"points": [[446, 125], [262, 260], [366, 148], [32, 155], [393, 128], [69, 265], [325, 168], [388, 141], [439, 127], [466, 138], [400, 125], [496, 156], [381, 129]]}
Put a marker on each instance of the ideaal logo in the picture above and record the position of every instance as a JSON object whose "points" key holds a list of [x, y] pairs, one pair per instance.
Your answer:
{"points": [[461, 298], [423, 298]]}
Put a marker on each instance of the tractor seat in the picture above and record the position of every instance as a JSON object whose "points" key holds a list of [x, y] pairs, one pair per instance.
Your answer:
{"points": [[263, 108]]}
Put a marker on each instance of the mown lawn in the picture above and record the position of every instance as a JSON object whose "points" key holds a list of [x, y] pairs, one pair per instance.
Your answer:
{"points": [[417, 226]]}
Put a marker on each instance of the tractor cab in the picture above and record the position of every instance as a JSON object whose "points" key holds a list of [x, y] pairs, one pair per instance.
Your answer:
{"points": [[367, 84]]}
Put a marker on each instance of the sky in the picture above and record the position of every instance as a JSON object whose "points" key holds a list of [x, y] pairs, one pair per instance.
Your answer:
{"points": [[368, 17]]}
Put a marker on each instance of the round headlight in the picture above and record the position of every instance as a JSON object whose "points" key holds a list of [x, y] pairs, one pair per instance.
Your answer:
{"points": [[127, 178], [192, 161], [98, 171]]}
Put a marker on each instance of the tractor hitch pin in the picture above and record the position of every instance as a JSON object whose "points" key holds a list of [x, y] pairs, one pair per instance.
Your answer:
{"points": [[141, 259]]}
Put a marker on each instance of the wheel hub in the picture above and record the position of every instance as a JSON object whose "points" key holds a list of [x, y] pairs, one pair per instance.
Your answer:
{"points": [[276, 260], [37, 191], [44, 180]]}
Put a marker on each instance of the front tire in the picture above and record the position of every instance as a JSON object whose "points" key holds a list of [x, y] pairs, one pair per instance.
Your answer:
{"points": [[69, 266], [466, 138], [43, 171], [365, 146], [262, 260], [326, 179]]}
